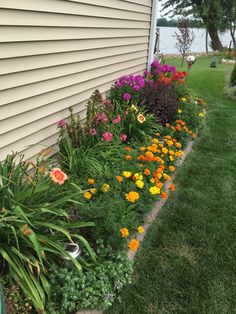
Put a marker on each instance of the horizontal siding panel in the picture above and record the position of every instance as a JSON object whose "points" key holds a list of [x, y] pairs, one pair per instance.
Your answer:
{"points": [[66, 95], [54, 54], [12, 95], [15, 65], [63, 71], [40, 112], [74, 7], [112, 18], [142, 2], [41, 129], [24, 49], [12, 33]]}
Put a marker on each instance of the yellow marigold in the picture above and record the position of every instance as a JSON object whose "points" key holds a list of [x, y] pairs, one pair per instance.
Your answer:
{"points": [[105, 187], [139, 184], [87, 195], [161, 145], [166, 176], [138, 176], [119, 178], [132, 196], [159, 175], [172, 168], [93, 191], [155, 140], [171, 158], [179, 153], [142, 148], [183, 99], [127, 174], [178, 145], [180, 111], [124, 232], [164, 150], [152, 180], [169, 143], [140, 229], [91, 181], [201, 114], [141, 118], [154, 190], [171, 152], [133, 245]]}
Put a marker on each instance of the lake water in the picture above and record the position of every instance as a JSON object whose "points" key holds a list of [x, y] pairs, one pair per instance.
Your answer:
{"points": [[168, 40]]}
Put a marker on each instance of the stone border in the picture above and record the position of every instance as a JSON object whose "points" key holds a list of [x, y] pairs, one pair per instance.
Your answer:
{"points": [[150, 218]]}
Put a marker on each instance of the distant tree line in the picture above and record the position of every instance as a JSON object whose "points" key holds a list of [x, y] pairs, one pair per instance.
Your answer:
{"points": [[174, 22]]}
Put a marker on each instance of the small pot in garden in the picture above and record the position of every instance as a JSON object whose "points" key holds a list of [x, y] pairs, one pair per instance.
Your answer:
{"points": [[73, 250]]}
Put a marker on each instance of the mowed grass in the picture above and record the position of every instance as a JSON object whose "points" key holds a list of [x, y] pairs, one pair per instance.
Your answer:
{"points": [[187, 263]]}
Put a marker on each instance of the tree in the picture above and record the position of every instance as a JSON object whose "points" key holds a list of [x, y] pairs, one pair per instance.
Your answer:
{"points": [[209, 11], [185, 37], [229, 18]]}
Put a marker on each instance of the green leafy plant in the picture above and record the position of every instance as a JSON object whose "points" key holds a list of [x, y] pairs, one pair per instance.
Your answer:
{"points": [[94, 289], [34, 226], [233, 76]]}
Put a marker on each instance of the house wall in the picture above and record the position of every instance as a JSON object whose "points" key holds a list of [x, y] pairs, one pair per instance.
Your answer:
{"points": [[54, 54]]}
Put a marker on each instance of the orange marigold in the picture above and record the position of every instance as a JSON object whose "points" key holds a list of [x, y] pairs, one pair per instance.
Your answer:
{"points": [[128, 149], [132, 196], [133, 245], [124, 232], [164, 195], [91, 181], [128, 157], [172, 168], [172, 187], [119, 178], [146, 172]]}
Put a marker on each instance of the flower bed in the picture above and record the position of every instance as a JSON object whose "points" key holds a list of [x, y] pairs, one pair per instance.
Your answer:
{"points": [[109, 172]]}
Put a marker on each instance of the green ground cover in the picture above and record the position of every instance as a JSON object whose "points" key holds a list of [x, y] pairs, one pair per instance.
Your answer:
{"points": [[187, 263]]}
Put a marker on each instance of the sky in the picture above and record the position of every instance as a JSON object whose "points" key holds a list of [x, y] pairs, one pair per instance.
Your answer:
{"points": [[160, 4]]}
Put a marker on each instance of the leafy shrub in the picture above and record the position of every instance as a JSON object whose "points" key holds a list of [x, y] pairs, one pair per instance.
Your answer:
{"points": [[233, 76], [161, 101], [94, 289]]}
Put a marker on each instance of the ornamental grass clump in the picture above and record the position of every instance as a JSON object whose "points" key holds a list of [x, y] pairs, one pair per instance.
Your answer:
{"points": [[34, 224]]}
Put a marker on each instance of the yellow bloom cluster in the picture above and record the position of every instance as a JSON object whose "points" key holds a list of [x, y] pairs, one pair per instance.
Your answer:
{"points": [[154, 190], [105, 188], [127, 174], [139, 184]]}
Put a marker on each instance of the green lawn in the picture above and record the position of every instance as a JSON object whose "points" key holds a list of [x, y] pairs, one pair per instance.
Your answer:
{"points": [[187, 263]]}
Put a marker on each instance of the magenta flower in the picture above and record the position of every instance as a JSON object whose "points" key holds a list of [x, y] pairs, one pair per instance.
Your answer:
{"points": [[155, 64], [107, 136], [127, 96], [61, 124], [116, 120], [123, 137], [92, 132]]}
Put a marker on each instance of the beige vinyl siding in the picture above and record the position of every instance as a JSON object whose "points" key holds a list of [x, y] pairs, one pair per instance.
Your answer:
{"points": [[54, 54]]}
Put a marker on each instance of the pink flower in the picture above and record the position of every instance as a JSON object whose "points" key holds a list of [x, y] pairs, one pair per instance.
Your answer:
{"points": [[61, 124], [123, 137], [117, 119], [58, 176], [127, 96], [92, 132], [107, 136], [125, 113]]}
